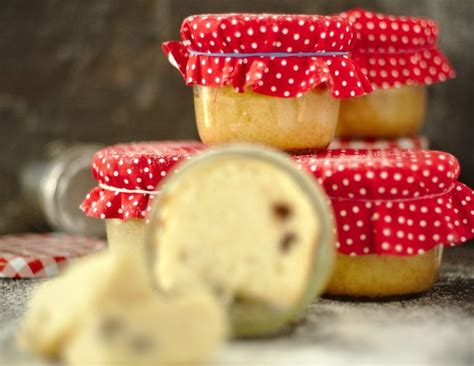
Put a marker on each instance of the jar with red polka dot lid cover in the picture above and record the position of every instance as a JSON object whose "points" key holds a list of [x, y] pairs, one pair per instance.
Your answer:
{"points": [[395, 211], [266, 78], [400, 56], [127, 175]]}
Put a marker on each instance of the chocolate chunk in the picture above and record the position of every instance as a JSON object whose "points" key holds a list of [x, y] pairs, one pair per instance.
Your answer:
{"points": [[282, 210], [110, 326], [142, 344], [183, 256], [287, 241]]}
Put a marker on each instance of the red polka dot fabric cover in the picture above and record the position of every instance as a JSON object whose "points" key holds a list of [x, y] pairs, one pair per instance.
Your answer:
{"points": [[242, 51], [394, 202], [42, 255], [128, 175], [398, 50], [417, 142]]}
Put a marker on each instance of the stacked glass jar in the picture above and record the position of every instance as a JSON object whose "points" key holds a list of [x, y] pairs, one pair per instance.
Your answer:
{"points": [[290, 82], [276, 80]]}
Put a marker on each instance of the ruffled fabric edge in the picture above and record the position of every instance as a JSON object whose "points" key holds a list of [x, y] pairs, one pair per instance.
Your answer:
{"points": [[394, 69], [451, 213], [104, 204], [457, 205], [340, 73]]}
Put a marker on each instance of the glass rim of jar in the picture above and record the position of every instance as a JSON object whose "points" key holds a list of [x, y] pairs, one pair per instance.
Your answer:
{"points": [[325, 249], [52, 190]]}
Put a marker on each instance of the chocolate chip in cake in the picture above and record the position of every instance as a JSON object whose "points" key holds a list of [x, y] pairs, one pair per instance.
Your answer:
{"points": [[183, 256], [110, 326], [282, 210], [287, 241], [142, 344]]}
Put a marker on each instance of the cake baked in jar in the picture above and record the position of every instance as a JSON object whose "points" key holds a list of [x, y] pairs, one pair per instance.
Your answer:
{"points": [[401, 58], [127, 176], [243, 221], [265, 78], [395, 211]]}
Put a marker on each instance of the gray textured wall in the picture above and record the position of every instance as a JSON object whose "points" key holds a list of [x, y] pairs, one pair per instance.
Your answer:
{"points": [[94, 71]]}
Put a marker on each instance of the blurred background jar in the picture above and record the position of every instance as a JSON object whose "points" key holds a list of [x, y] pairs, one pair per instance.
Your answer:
{"points": [[53, 188], [401, 58], [390, 113]]}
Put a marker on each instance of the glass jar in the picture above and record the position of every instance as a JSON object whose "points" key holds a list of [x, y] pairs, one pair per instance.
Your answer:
{"points": [[54, 188], [384, 276], [271, 79], [400, 56], [224, 115], [395, 209], [126, 176], [240, 221], [387, 113]]}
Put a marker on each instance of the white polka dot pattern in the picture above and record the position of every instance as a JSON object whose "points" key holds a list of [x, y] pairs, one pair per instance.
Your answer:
{"points": [[398, 50], [142, 166], [417, 142], [284, 77], [396, 202], [132, 167]]}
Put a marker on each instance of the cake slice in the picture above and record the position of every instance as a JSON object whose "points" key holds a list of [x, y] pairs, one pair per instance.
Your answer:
{"points": [[57, 306], [104, 311], [183, 329]]}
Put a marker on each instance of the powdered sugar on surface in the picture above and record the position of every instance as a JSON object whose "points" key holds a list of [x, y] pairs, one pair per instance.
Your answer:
{"points": [[433, 329]]}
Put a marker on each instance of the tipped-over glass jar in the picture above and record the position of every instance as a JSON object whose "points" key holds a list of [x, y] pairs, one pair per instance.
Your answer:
{"points": [[276, 80], [54, 187], [246, 223]]}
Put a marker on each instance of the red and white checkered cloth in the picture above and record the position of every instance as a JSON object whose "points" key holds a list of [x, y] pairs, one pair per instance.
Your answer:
{"points": [[42, 255]]}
